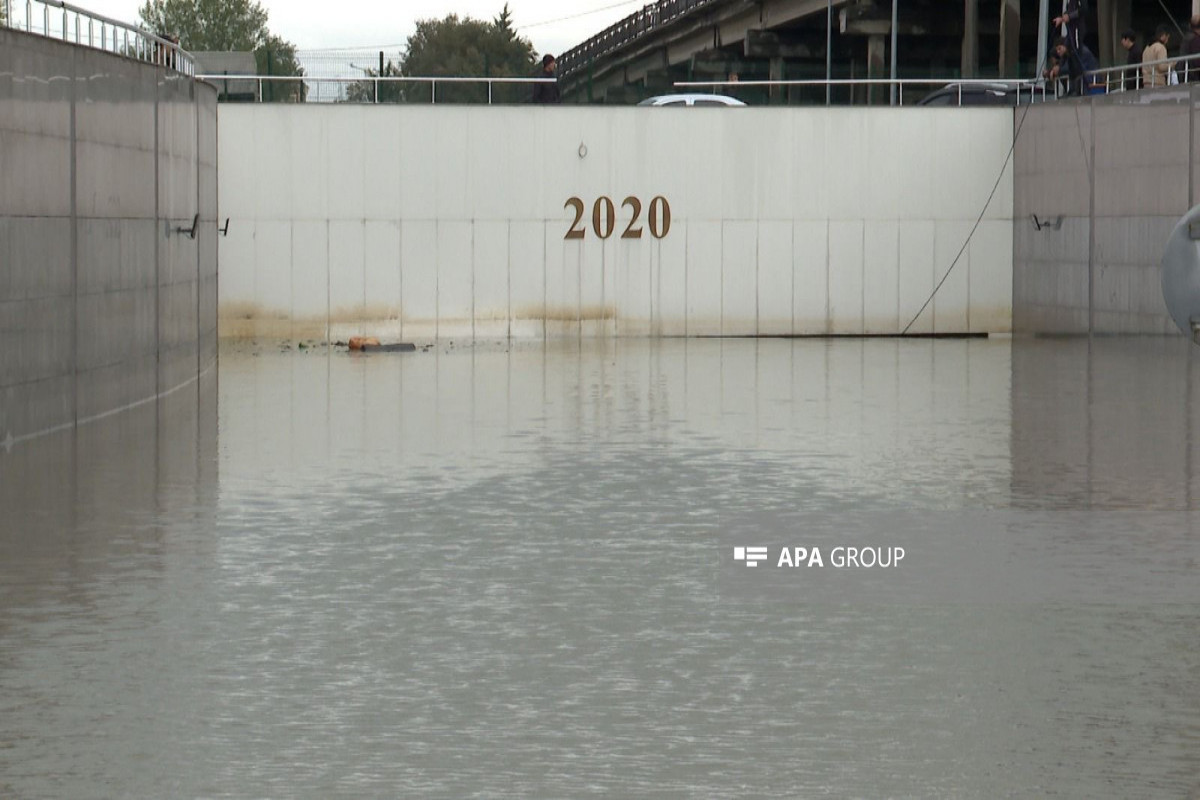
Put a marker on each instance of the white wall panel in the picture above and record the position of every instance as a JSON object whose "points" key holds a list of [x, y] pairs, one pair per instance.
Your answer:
{"points": [[381, 278], [668, 265], [418, 278], [419, 168], [881, 288], [739, 277], [382, 173], [455, 293], [346, 162], [236, 286], [634, 286], [846, 276], [310, 271], [563, 259], [490, 278], [916, 274], [527, 277], [775, 278], [991, 277], [275, 170], [239, 169], [595, 274], [273, 275], [810, 264], [704, 279], [347, 278], [950, 312], [797, 220]]}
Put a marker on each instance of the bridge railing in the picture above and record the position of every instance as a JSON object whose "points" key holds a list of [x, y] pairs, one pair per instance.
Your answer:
{"points": [[55, 19], [1163, 72], [627, 30], [389, 89], [908, 91]]}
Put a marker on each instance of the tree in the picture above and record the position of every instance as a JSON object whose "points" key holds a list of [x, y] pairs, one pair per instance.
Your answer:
{"points": [[454, 47], [277, 56], [224, 25]]}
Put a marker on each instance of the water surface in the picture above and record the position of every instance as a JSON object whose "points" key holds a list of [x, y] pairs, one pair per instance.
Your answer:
{"points": [[494, 572]]}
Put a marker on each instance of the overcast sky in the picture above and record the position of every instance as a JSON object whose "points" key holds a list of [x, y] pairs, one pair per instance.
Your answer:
{"points": [[359, 23]]}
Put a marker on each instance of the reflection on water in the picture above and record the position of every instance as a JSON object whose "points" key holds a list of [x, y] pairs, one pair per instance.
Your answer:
{"points": [[493, 573]]}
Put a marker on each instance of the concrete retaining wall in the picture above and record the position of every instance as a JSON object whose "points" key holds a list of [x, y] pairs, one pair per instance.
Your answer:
{"points": [[1120, 170], [418, 222], [102, 305]]}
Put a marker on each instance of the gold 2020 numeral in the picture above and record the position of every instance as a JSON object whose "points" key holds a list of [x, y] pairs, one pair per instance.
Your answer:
{"points": [[604, 218]]}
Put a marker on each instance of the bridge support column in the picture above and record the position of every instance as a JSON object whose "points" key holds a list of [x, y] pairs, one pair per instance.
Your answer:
{"points": [[1010, 38], [1113, 17], [970, 44], [776, 73], [876, 66]]}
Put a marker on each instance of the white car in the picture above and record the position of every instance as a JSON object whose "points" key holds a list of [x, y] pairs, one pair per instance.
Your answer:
{"points": [[691, 100]]}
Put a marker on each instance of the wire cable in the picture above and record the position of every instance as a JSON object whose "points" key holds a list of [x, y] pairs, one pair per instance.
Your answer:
{"points": [[577, 16], [979, 219]]}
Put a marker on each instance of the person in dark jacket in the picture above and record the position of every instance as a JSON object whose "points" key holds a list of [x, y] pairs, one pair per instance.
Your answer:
{"points": [[1076, 63], [1074, 19], [1133, 62], [1191, 72], [547, 92]]}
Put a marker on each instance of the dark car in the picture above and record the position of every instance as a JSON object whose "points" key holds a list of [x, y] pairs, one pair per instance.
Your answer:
{"points": [[974, 94]]}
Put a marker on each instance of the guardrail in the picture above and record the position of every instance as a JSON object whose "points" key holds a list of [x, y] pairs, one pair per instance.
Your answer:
{"points": [[1026, 91], [378, 89], [55, 19], [909, 91], [1129, 78], [627, 30]]}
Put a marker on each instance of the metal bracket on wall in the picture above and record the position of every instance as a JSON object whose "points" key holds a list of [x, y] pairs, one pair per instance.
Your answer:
{"points": [[191, 232], [1048, 223], [224, 231]]}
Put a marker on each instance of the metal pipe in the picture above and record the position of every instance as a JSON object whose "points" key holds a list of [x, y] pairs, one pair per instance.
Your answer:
{"points": [[828, 48], [895, 31]]}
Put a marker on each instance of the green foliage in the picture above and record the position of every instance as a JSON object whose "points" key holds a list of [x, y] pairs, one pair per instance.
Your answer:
{"points": [[275, 56], [224, 25], [456, 47], [389, 91], [208, 24]]}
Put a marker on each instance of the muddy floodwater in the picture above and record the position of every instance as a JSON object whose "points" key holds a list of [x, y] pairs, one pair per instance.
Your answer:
{"points": [[494, 571]]}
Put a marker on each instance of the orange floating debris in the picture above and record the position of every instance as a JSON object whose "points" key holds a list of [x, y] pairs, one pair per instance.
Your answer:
{"points": [[362, 342]]}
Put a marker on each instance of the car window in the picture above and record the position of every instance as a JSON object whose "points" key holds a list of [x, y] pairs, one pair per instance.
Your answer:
{"points": [[675, 103], [709, 103]]}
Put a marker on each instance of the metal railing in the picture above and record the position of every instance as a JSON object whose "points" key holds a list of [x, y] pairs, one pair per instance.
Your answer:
{"points": [[1026, 91], [627, 30], [386, 89], [55, 19], [1131, 77]]}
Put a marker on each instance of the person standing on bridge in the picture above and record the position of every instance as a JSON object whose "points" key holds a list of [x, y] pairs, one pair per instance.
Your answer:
{"points": [[1191, 47], [1073, 22], [1129, 79], [1155, 74], [547, 92]]}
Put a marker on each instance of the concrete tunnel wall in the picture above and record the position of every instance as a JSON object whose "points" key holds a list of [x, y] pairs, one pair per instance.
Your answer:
{"points": [[422, 222], [102, 305], [1120, 170]]}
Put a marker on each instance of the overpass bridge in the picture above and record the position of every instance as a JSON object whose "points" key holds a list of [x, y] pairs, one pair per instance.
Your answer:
{"points": [[773, 40]]}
